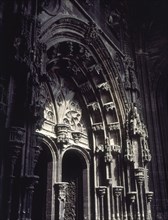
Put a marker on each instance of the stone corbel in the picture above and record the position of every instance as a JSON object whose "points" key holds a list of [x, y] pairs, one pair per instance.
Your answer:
{"points": [[76, 136], [62, 131]]}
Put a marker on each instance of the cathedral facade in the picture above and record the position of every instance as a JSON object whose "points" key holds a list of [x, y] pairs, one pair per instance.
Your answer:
{"points": [[83, 106]]}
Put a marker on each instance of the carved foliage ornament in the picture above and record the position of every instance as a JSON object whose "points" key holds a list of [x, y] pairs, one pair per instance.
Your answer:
{"points": [[91, 33], [68, 109]]}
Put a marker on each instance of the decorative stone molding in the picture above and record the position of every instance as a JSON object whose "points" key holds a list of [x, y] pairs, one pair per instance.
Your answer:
{"points": [[17, 136], [62, 131], [96, 67], [30, 181], [139, 174], [97, 127], [116, 148], [60, 197], [109, 106], [129, 155], [111, 147], [118, 190], [91, 33], [76, 136], [149, 196], [114, 126], [117, 193], [85, 87], [108, 157], [104, 86], [37, 152], [99, 148], [60, 190], [131, 196], [71, 199], [94, 106], [101, 191]]}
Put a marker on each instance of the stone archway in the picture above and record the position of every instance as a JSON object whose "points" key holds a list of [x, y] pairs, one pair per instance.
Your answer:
{"points": [[42, 197]]}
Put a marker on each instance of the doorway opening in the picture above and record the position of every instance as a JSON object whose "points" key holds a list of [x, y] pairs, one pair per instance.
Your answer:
{"points": [[74, 171]]}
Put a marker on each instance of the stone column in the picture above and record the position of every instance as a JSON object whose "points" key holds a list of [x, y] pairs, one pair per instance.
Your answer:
{"points": [[149, 196], [16, 141], [117, 193], [101, 190], [131, 199], [60, 199], [139, 175], [29, 182]]}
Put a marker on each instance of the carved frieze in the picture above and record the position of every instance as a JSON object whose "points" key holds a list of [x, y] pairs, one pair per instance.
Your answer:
{"points": [[97, 127], [109, 106], [114, 126], [91, 33]]}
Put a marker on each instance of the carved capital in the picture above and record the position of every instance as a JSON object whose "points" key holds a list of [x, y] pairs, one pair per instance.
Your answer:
{"points": [[118, 190], [101, 190], [149, 196], [132, 196], [139, 174]]}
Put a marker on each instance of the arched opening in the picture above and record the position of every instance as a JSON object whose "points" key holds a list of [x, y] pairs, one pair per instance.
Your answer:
{"points": [[74, 171], [42, 197]]}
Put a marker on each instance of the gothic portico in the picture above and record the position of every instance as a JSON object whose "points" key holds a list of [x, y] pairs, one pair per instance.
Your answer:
{"points": [[75, 125]]}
